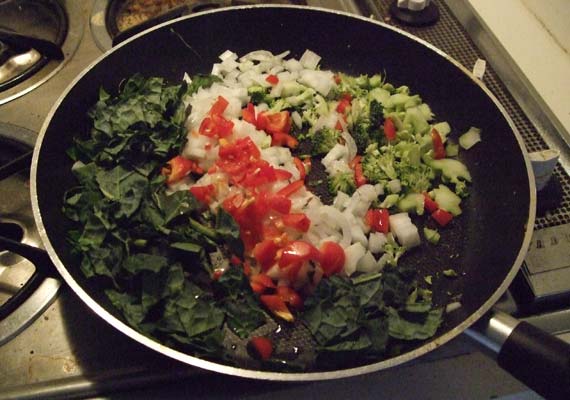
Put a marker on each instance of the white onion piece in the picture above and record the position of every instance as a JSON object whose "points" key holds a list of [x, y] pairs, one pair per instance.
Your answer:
{"points": [[358, 235], [367, 263], [228, 54], [340, 220], [341, 200], [321, 81], [404, 230], [310, 59], [376, 242], [297, 119], [353, 254], [381, 263], [367, 192], [349, 141], [338, 152], [470, 138]]}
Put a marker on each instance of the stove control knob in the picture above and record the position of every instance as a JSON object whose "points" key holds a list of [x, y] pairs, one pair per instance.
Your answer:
{"points": [[414, 12], [413, 5]]}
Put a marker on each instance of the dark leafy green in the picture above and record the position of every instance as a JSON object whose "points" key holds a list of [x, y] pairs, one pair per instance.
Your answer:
{"points": [[152, 246], [358, 318]]}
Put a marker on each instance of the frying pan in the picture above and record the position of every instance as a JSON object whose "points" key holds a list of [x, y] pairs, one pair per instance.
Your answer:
{"points": [[491, 237]]}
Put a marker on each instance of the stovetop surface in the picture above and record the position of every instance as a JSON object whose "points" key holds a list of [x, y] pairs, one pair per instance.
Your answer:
{"points": [[70, 351]]}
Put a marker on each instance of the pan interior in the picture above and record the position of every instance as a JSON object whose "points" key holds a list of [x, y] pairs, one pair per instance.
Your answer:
{"points": [[484, 247]]}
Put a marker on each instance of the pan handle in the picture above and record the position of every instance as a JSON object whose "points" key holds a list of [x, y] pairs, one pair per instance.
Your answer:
{"points": [[539, 360]]}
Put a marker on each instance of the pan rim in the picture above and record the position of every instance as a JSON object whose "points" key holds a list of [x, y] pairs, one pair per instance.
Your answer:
{"points": [[267, 375]]}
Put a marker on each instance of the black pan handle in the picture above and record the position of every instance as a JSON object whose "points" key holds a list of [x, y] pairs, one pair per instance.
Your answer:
{"points": [[43, 268], [539, 360]]}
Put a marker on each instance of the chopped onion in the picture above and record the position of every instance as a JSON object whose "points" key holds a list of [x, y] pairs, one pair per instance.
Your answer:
{"points": [[340, 220], [367, 192], [321, 81], [353, 254], [367, 263], [470, 138], [349, 141], [310, 60], [341, 200], [376, 242], [404, 230]]}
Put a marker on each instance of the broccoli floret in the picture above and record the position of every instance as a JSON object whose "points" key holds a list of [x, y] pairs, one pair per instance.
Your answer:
{"points": [[397, 162], [378, 166], [258, 94], [376, 113], [342, 182], [361, 133], [324, 140]]}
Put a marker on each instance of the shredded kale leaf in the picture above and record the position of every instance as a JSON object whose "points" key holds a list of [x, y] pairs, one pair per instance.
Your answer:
{"points": [[358, 318], [149, 246]]}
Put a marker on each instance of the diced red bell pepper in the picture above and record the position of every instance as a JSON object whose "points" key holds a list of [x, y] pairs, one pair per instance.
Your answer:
{"points": [[277, 306], [378, 220], [248, 113], [219, 106], [442, 217], [438, 149], [274, 122], [429, 204], [178, 167], [260, 283], [265, 252], [298, 221], [389, 129], [291, 188], [356, 165], [290, 297], [344, 103], [272, 79], [218, 272], [297, 252], [203, 194], [216, 126], [279, 203], [338, 126], [332, 258], [283, 139], [300, 167], [261, 347]]}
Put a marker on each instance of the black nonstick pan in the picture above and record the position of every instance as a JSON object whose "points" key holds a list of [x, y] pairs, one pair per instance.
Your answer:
{"points": [[495, 230]]}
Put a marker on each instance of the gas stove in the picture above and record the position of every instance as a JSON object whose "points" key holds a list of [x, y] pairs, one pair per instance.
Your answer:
{"points": [[59, 348]]}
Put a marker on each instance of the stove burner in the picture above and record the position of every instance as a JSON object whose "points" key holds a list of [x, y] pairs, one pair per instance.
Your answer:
{"points": [[45, 20], [25, 288]]}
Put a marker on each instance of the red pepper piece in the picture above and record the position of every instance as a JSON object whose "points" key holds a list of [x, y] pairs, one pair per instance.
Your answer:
{"points": [[298, 221], [261, 347], [389, 129], [442, 217], [290, 297], [272, 79], [332, 258], [429, 204], [438, 149], [277, 306]]}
